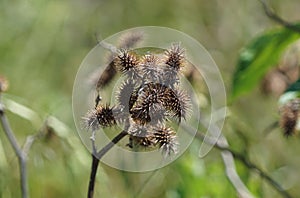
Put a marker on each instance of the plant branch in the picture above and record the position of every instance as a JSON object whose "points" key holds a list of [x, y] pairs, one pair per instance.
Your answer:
{"points": [[97, 157], [17, 149], [272, 15], [231, 172], [247, 163], [264, 175]]}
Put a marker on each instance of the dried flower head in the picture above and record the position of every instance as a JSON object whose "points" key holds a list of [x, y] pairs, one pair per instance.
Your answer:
{"points": [[289, 117], [148, 96], [139, 136], [159, 136], [154, 98], [166, 139], [150, 69], [103, 116], [127, 94], [127, 63], [170, 76], [175, 57]]}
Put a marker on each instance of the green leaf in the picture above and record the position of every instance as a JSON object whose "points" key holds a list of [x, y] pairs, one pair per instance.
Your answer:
{"points": [[258, 56], [294, 87], [291, 93]]}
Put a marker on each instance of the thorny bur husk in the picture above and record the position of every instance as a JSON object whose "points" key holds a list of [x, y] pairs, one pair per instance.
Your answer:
{"points": [[289, 116], [149, 96]]}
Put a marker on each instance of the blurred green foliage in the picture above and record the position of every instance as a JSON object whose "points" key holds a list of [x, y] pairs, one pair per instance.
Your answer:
{"points": [[42, 44], [258, 56]]}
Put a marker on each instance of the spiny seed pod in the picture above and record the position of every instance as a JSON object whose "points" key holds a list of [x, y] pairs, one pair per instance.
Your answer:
{"points": [[140, 114], [100, 116], [127, 95], [158, 114], [170, 76], [147, 98], [139, 136], [165, 138], [138, 130], [289, 117], [175, 57], [175, 102], [184, 101], [171, 102], [150, 69], [135, 142], [127, 63]]}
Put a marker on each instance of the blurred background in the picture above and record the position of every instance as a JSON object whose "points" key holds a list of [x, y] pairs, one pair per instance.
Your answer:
{"points": [[42, 44]]}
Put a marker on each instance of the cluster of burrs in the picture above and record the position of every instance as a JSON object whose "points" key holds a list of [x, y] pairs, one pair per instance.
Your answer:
{"points": [[147, 100]]}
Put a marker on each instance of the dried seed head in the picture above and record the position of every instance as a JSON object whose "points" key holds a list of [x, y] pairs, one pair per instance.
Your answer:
{"points": [[176, 102], [127, 95], [90, 120], [158, 114], [171, 103], [146, 99], [155, 98], [127, 63], [150, 69], [138, 130], [184, 101], [166, 139], [149, 60], [150, 137], [170, 76], [289, 117], [140, 114], [136, 142], [101, 116], [175, 57], [145, 103], [139, 136]]}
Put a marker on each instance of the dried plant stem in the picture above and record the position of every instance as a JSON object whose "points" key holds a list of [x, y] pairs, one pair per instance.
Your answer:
{"points": [[97, 157], [272, 15], [22, 156], [248, 164], [253, 166]]}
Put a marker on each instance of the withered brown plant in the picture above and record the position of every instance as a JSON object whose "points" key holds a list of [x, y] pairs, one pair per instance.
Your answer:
{"points": [[289, 117], [147, 99]]}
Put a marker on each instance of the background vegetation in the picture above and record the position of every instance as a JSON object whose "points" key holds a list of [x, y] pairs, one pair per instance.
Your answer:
{"points": [[42, 44]]}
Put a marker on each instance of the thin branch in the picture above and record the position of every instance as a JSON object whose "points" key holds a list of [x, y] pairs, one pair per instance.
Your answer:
{"points": [[28, 143], [248, 164], [264, 175], [17, 149], [272, 15], [231, 172], [97, 157]]}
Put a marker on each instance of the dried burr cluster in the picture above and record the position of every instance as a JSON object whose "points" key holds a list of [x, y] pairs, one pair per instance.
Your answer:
{"points": [[148, 98]]}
